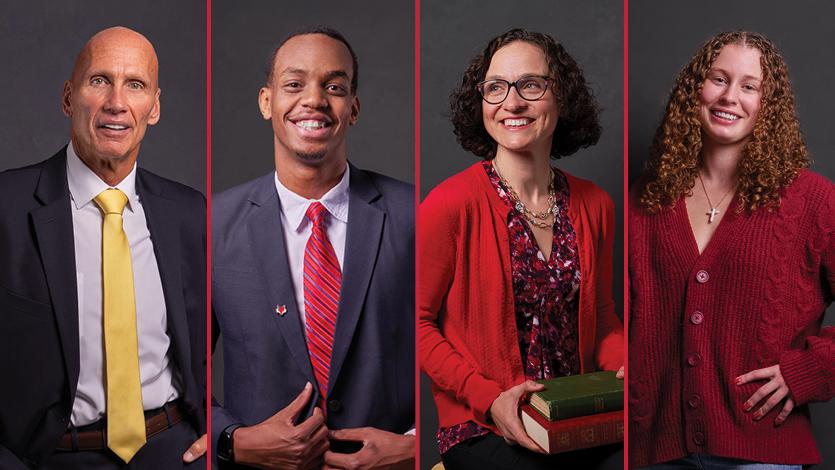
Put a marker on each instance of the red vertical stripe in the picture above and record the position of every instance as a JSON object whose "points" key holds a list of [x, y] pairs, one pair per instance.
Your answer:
{"points": [[626, 231], [209, 442], [417, 247]]}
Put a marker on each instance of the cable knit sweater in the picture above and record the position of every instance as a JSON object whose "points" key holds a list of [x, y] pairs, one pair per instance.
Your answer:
{"points": [[754, 298]]}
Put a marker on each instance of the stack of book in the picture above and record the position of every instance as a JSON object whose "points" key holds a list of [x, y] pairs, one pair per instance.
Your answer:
{"points": [[576, 412]]}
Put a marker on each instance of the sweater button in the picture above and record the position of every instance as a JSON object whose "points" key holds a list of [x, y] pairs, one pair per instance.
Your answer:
{"points": [[694, 359], [697, 318], [699, 438], [694, 401], [702, 276]]}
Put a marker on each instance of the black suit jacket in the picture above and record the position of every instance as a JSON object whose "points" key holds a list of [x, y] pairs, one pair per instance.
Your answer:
{"points": [[39, 342]]}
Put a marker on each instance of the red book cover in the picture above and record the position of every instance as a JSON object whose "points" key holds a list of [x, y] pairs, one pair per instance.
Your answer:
{"points": [[574, 433]]}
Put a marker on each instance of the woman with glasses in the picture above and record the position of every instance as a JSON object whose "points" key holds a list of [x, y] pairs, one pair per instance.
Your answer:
{"points": [[732, 266], [515, 262]]}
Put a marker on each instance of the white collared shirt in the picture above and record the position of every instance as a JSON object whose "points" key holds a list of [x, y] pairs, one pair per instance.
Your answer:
{"points": [[297, 227], [156, 371]]}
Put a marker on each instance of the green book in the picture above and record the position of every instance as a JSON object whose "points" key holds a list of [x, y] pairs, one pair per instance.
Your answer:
{"points": [[579, 395]]}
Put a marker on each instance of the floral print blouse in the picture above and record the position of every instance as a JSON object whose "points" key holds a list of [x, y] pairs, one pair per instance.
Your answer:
{"points": [[546, 296]]}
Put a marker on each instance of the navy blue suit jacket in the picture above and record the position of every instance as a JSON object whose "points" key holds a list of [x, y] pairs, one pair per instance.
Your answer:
{"points": [[265, 356], [39, 338]]}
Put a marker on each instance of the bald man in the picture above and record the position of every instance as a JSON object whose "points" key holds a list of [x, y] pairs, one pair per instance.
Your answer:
{"points": [[102, 285]]}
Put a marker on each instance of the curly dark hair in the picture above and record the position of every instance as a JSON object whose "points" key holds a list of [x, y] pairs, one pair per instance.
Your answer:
{"points": [[577, 127], [771, 158]]}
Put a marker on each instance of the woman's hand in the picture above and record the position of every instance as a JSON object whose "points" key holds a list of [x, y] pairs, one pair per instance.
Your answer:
{"points": [[776, 387], [505, 413], [619, 373]]}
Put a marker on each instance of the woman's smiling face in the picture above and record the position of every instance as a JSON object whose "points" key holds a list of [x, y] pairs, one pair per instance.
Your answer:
{"points": [[731, 95], [516, 124]]}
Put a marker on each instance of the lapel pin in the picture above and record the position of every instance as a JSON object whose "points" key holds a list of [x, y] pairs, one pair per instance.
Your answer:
{"points": [[280, 310]]}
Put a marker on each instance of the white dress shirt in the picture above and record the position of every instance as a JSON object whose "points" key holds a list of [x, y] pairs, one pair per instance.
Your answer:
{"points": [[297, 227], [156, 371]]}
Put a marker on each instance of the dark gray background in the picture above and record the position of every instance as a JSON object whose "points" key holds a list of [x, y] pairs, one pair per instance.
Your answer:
{"points": [[244, 35], [39, 40], [663, 36], [451, 34]]}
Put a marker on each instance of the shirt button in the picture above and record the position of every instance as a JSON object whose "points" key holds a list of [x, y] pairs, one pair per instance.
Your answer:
{"points": [[694, 401], [702, 276], [694, 359], [699, 438], [697, 318]]}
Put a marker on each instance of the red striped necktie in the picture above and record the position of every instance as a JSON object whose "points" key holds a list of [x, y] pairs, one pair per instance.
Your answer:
{"points": [[322, 282]]}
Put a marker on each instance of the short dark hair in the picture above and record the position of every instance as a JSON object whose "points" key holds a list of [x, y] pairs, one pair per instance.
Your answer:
{"points": [[578, 124], [327, 31]]}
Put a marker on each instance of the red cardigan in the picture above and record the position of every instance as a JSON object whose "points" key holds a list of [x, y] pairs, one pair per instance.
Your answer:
{"points": [[754, 298], [467, 328]]}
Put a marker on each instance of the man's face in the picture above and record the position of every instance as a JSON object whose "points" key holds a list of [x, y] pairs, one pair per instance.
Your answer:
{"points": [[309, 100], [112, 96]]}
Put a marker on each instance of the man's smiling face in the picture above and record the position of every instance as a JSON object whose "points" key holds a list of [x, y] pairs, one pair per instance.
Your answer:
{"points": [[309, 99]]}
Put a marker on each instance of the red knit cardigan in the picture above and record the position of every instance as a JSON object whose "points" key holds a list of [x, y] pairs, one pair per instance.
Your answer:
{"points": [[755, 297], [467, 325]]}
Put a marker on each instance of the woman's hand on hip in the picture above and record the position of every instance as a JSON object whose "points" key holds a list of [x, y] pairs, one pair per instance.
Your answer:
{"points": [[775, 389], [505, 413]]}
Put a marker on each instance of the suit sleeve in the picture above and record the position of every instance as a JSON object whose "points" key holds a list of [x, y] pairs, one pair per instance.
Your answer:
{"points": [[221, 418], [446, 367], [810, 371], [204, 357], [9, 461], [609, 340]]}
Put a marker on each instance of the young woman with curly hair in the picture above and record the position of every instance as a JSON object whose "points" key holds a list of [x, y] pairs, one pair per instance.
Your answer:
{"points": [[732, 267], [515, 262]]}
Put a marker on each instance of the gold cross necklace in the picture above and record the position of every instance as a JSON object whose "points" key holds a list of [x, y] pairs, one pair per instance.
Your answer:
{"points": [[714, 210]]}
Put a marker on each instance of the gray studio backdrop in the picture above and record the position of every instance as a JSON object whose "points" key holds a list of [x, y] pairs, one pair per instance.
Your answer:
{"points": [[244, 35], [39, 40], [451, 34], [662, 38]]}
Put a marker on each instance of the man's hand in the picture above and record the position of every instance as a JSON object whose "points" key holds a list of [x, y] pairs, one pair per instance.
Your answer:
{"points": [[380, 450], [505, 413], [619, 373], [776, 387], [278, 443], [196, 450]]}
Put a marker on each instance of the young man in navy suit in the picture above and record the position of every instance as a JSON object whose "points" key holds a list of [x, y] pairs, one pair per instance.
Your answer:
{"points": [[81, 278], [313, 285]]}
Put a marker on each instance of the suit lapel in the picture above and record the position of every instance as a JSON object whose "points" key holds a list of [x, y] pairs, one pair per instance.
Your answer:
{"points": [[54, 234], [269, 246], [362, 243], [164, 225]]}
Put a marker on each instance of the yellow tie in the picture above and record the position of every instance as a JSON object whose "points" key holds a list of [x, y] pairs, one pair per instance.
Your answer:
{"points": [[125, 416]]}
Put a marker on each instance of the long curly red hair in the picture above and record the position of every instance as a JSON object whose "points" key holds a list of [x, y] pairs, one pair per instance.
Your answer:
{"points": [[770, 159]]}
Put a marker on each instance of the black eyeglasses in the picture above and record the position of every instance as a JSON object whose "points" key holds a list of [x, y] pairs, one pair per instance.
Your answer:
{"points": [[529, 88]]}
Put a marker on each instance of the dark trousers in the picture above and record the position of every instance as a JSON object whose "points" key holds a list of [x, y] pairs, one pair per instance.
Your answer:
{"points": [[490, 452], [163, 451]]}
